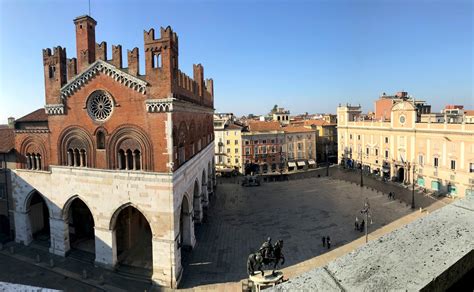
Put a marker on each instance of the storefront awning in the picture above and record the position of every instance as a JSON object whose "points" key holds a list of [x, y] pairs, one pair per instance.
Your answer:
{"points": [[301, 163], [291, 164], [311, 161]]}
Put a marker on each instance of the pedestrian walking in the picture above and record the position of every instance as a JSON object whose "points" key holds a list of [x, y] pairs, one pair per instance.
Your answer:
{"points": [[390, 195], [328, 241], [324, 241], [356, 224], [362, 225]]}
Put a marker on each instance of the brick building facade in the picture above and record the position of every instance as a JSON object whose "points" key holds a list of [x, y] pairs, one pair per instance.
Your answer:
{"points": [[117, 163]]}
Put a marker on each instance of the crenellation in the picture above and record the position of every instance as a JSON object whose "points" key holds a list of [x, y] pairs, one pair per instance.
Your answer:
{"points": [[71, 68], [116, 56], [133, 62], [101, 51]]}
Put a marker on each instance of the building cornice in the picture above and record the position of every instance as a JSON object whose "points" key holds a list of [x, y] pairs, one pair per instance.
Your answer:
{"points": [[172, 104]]}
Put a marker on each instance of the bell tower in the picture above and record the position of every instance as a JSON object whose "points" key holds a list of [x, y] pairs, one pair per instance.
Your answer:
{"points": [[85, 41]]}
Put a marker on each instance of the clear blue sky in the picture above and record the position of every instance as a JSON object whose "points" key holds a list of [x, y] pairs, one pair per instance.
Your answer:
{"points": [[305, 56]]}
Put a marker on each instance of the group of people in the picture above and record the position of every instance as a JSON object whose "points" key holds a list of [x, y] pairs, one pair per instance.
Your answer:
{"points": [[391, 196], [359, 227], [326, 242]]}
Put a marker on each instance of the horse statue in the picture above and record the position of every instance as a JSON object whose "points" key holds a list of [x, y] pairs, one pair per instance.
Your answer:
{"points": [[266, 255]]}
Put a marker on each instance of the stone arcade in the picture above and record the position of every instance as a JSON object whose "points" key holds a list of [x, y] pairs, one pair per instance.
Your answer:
{"points": [[118, 166]]}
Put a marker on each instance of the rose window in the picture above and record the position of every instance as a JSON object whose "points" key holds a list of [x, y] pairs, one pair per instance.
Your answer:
{"points": [[100, 105]]}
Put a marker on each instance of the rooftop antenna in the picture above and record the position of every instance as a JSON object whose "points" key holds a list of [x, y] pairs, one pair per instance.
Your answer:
{"points": [[89, 7]]}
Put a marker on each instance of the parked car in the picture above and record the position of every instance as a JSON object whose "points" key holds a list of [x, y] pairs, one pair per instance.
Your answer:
{"points": [[251, 180]]}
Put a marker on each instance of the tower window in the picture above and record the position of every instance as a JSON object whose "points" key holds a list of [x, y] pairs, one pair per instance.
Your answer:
{"points": [[157, 61]]}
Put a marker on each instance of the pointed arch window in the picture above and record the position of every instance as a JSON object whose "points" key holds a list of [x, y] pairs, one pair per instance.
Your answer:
{"points": [[100, 137]]}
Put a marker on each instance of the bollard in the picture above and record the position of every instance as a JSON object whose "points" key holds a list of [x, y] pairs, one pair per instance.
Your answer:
{"points": [[12, 250], [38, 259], [421, 210], [84, 274], [101, 280], [51, 263]]}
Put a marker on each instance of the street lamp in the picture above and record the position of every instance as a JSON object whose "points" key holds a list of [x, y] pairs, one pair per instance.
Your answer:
{"points": [[327, 161], [413, 188], [361, 166], [366, 211]]}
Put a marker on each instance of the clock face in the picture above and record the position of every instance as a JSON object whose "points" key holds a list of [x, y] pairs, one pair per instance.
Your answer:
{"points": [[402, 119]]}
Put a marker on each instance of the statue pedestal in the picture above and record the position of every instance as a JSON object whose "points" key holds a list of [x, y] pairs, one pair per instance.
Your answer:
{"points": [[267, 280]]}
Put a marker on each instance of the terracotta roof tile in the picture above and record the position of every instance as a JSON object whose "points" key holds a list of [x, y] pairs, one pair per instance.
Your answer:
{"points": [[38, 115], [469, 112], [259, 126], [233, 127], [297, 129], [7, 139]]}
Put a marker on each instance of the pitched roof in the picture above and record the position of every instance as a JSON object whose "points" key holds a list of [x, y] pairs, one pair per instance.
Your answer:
{"points": [[297, 129], [233, 127], [469, 112], [7, 139], [38, 115], [259, 126]]}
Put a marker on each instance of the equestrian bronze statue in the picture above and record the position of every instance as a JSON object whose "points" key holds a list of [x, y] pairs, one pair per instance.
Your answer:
{"points": [[267, 254]]}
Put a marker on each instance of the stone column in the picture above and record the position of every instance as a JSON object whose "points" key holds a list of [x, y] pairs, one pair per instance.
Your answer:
{"points": [[134, 157], [22, 228], [119, 158], [197, 208], [81, 158], [69, 158], [59, 236], [167, 269], [28, 161], [105, 247], [204, 195], [126, 160]]}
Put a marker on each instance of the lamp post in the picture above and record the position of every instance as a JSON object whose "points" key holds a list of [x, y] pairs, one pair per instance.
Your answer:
{"points": [[413, 187], [366, 211], [361, 166], [327, 160]]}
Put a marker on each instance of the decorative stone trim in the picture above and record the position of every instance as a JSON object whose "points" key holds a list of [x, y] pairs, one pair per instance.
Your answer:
{"points": [[159, 105], [172, 104], [100, 66], [33, 131], [54, 109]]}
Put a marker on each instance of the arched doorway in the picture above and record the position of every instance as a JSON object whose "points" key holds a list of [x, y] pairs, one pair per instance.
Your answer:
{"points": [[197, 203], [4, 229], [38, 214], [401, 174], [81, 227], [185, 242], [133, 240]]}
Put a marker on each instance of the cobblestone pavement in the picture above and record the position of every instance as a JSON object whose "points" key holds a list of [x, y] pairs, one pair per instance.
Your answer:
{"points": [[15, 271], [298, 211], [21, 267]]}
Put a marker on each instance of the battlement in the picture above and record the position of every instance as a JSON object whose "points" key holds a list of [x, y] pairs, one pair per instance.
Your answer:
{"points": [[57, 52], [161, 64], [101, 51], [165, 34]]}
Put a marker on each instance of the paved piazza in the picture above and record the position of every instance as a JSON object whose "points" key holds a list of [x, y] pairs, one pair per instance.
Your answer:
{"points": [[300, 212]]}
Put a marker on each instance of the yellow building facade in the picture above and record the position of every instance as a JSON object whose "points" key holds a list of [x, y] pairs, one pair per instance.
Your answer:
{"points": [[436, 156], [232, 140]]}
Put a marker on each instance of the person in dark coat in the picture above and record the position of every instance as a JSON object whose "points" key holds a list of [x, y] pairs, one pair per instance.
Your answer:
{"points": [[324, 241], [362, 225], [328, 241]]}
